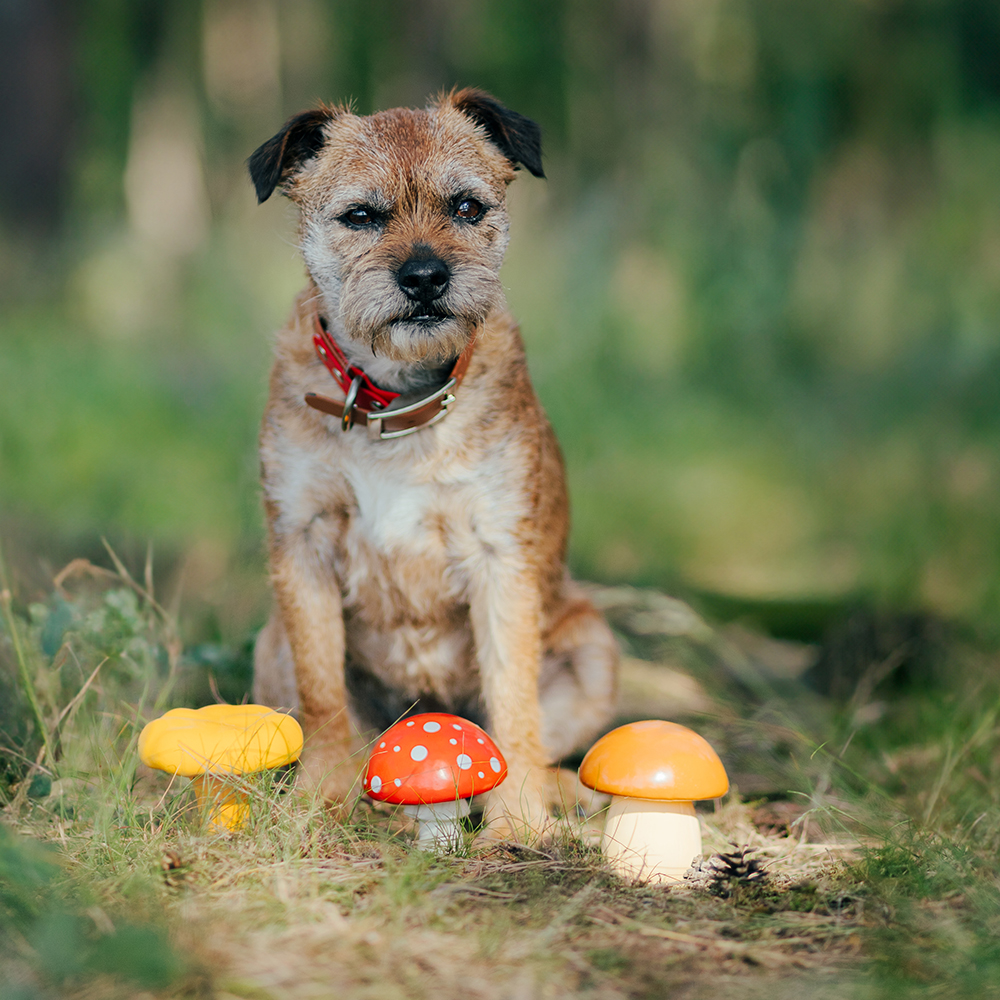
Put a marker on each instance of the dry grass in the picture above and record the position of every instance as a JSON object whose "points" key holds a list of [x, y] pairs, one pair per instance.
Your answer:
{"points": [[298, 906]]}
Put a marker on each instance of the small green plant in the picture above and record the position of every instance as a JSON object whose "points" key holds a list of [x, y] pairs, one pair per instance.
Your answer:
{"points": [[608, 960]]}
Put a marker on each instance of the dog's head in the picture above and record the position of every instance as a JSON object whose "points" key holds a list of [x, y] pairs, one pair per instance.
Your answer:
{"points": [[403, 215]]}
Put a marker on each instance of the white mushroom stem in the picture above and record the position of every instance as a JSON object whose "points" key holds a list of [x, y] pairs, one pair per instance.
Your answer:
{"points": [[651, 840], [440, 824]]}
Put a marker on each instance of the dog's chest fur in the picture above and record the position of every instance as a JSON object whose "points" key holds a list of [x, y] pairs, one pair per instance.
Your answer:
{"points": [[391, 534], [399, 562]]}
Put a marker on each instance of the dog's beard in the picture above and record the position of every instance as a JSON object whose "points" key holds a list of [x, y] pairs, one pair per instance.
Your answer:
{"points": [[374, 312]]}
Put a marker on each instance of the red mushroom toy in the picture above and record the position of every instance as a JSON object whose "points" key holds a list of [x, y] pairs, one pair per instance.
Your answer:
{"points": [[432, 764]]}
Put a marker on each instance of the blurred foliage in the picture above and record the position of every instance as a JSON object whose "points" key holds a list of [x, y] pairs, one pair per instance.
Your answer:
{"points": [[51, 937], [760, 288], [923, 940]]}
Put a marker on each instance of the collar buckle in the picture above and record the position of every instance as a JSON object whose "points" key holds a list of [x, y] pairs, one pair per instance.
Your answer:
{"points": [[443, 396], [352, 397]]}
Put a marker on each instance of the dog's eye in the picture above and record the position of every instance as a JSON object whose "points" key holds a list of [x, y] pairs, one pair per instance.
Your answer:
{"points": [[359, 217], [468, 209]]}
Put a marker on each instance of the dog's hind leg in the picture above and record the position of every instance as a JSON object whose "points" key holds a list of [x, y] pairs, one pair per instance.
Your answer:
{"points": [[273, 669], [577, 690], [578, 685]]}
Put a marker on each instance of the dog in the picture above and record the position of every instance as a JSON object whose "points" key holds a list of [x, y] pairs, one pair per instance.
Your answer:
{"points": [[414, 490]]}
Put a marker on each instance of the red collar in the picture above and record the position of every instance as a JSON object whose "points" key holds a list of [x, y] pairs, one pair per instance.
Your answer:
{"points": [[368, 405], [370, 396]]}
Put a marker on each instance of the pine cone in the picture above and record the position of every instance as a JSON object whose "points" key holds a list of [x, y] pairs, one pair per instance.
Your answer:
{"points": [[728, 871], [176, 871]]}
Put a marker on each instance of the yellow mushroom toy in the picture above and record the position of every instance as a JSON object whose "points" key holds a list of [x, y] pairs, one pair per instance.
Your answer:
{"points": [[211, 745], [654, 771]]}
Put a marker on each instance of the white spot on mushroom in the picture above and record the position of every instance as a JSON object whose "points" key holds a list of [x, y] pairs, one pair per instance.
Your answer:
{"points": [[382, 744], [431, 727], [411, 724], [464, 761], [455, 725], [453, 742], [397, 782], [481, 775], [375, 783], [495, 764], [395, 749], [418, 752], [480, 741]]}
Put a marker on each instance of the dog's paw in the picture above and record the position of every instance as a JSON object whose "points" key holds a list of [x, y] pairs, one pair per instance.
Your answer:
{"points": [[518, 809]]}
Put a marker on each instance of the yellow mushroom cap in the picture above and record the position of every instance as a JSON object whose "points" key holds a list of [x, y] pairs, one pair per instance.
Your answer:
{"points": [[655, 760], [220, 739]]}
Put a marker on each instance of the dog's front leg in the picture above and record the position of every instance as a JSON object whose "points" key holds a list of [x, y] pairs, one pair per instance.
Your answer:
{"points": [[505, 610], [309, 602]]}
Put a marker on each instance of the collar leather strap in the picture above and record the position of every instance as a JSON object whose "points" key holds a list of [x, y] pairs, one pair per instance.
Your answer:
{"points": [[386, 414]]}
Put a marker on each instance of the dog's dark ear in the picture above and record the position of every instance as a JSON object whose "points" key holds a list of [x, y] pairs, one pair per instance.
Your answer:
{"points": [[519, 138], [302, 136]]}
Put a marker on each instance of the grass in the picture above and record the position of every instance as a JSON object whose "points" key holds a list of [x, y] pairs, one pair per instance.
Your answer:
{"points": [[879, 841]]}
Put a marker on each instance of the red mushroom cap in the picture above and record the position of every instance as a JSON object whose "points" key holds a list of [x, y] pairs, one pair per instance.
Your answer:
{"points": [[431, 758]]}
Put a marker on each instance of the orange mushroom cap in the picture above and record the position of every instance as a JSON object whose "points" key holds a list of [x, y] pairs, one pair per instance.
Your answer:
{"points": [[433, 757], [655, 760]]}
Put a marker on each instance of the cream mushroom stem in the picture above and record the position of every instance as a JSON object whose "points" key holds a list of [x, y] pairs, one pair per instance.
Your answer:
{"points": [[439, 825], [651, 839]]}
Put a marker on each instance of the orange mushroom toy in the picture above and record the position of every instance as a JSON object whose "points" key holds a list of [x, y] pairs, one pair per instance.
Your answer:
{"points": [[654, 771], [210, 745], [432, 764]]}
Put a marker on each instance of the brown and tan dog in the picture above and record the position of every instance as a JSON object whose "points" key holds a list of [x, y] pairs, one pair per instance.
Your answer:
{"points": [[417, 559]]}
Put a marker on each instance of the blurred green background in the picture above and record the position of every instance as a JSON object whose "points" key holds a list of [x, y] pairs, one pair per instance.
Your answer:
{"points": [[760, 288]]}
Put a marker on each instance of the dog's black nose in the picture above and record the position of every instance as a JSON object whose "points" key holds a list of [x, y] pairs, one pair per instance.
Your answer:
{"points": [[423, 279]]}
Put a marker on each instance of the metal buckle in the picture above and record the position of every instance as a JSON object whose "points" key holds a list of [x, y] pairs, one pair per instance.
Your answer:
{"points": [[352, 394], [444, 394]]}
